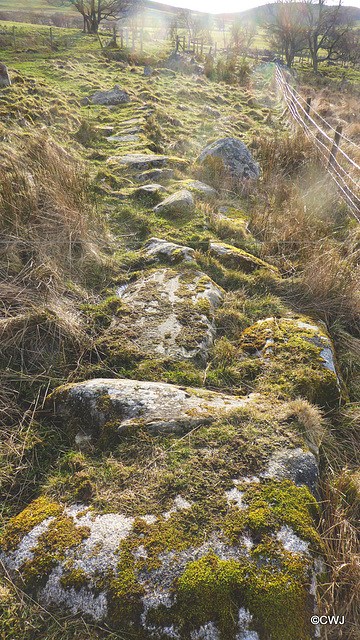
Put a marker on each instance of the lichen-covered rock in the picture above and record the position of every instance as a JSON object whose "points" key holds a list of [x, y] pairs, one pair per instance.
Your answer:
{"points": [[233, 257], [297, 357], [171, 314], [218, 538], [112, 97], [177, 204], [157, 248], [247, 578], [158, 406], [143, 161], [4, 76], [233, 155]]}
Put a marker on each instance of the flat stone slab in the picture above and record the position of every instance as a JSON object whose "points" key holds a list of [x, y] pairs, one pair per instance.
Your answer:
{"points": [[157, 248], [172, 314], [155, 174], [143, 161], [233, 257], [161, 407], [150, 192], [127, 137]]}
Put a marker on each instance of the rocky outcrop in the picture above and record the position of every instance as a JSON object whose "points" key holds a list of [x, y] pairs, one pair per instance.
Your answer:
{"points": [[199, 189], [113, 97], [149, 192], [144, 161], [233, 156], [228, 556], [159, 407]]}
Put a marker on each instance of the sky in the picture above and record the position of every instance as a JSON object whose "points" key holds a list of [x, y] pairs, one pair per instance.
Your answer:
{"points": [[232, 6]]}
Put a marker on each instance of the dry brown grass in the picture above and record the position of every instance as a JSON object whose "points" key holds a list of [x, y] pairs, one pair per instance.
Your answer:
{"points": [[339, 526]]}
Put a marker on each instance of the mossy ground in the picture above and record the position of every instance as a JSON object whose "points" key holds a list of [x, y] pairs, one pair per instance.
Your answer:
{"points": [[51, 347]]}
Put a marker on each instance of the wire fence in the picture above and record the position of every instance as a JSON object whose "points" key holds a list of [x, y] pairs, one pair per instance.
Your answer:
{"points": [[344, 171]]}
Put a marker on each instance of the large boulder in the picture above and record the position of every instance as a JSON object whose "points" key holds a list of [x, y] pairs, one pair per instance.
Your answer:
{"points": [[112, 97], [159, 407], [4, 76], [233, 156], [210, 546]]}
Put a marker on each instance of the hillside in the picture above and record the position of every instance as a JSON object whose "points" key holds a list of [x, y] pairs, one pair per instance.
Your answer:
{"points": [[179, 350]]}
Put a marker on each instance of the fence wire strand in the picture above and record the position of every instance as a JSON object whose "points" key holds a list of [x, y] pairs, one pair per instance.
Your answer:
{"points": [[337, 172]]}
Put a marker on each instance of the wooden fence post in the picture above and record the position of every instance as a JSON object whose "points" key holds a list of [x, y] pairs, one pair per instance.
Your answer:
{"points": [[121, 39], [114, 33], [335, 145], [308, 105], [14, 37], [51, 37]]}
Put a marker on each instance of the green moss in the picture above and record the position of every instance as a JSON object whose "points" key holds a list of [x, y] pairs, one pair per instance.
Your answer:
{"points": [[73, 578], [51, 548], [211, 589], [124, 592], [292, 361], [25, 521], [273, 504]]}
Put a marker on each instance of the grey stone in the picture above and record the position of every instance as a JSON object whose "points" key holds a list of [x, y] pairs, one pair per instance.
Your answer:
{"points": [[236, 158], [150, 192], [4, 76], [148, 71], [161, 407], [178, 203], [157, 248], [127, 137], [199, 188], [294, 464], [113, 97]]}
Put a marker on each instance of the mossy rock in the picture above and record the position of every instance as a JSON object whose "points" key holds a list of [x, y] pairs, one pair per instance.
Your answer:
{"points": [[244, 571], [238, 258], [298, 359]]}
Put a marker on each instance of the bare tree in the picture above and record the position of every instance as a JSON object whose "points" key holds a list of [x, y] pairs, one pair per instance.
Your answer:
{"points": [[285, 29], [325, 28], [95, 11], [242, 36]]}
